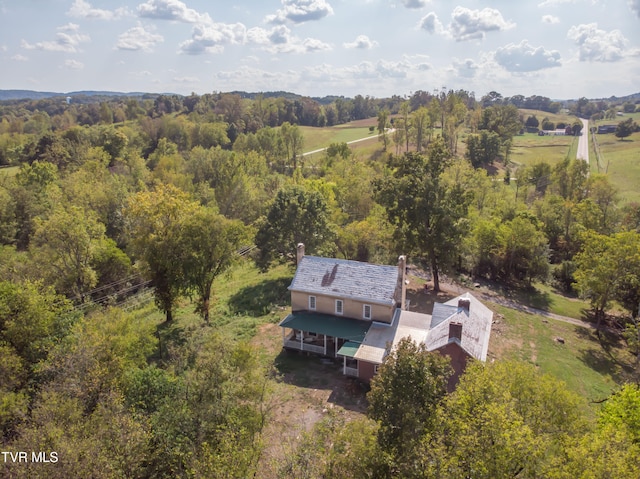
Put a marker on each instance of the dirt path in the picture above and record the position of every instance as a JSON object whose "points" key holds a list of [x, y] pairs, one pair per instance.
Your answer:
{"points": [[508, 303]]}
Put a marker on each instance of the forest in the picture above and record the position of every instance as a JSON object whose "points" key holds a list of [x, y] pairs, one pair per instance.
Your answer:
{"points": [[119, 214]]}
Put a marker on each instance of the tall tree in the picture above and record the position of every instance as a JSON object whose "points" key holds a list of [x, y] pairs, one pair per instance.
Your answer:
{"points": [[420, 121], [67, 243], [404, 397], [154, 220], [428, 211], [608, 268], [296, 216], [625, 128], [383, 123], [209, 243]]}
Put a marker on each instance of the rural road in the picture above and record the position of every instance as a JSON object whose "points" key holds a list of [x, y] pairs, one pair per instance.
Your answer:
{"points": [[583, 142]]}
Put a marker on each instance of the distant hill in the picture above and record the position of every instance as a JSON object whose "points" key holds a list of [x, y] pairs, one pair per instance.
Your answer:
{"points": [[38, 95]]}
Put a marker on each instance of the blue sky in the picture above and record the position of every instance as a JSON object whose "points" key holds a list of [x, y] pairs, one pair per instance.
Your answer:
{"points": [[556, 48]]}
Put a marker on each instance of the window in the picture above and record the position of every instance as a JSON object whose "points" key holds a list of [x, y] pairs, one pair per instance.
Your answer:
{"points": [[312, 303], [339, 306], [376, 368], [366, 311]]}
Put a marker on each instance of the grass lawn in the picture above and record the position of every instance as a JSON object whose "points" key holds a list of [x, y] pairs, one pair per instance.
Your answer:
{"points": [[531, 148], [590, 366], [541, 115], [621, 161], [315, 138]]}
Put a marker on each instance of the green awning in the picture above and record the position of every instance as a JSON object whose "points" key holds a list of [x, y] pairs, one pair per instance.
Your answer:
{"points": [[345, 328], [349, 349]]}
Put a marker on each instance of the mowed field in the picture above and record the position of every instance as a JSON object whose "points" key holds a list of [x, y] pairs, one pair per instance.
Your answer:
{"points": [[620, 160]]}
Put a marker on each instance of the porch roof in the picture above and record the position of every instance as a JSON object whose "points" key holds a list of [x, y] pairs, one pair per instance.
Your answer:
{"points": [[349, 349], [346, 328]]}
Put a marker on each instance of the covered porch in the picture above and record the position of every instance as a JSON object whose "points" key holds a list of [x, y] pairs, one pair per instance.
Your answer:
{"points": [[321, 334]]}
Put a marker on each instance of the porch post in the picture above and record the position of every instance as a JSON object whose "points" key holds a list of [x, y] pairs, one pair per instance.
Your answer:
{"points": [[344, 365], [336, 345], [325, 344], [301, 340], [283, 336]]}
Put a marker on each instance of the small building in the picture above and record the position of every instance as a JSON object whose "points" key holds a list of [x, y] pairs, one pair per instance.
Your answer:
{"points": [[357, 312], [604, 129]]}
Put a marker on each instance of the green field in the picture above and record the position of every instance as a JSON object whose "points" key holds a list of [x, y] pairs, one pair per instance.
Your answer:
{"points": [[541, 115], [531, 148], [621, 161], [315, 137]]}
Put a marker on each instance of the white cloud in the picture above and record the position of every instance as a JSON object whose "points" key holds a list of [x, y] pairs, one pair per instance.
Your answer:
{"points": [[280, 40], [67, 40], [211, 38], [186, 79], [361, 42], [526, 58], [415, 3], [138, 38], [73, 65], [430, 23], [82, 9], [634, 5], [550, 19], [554, 2], [598, 45], [465, 68], [300, 11], [474, 24], [19, 58], [174, 10]]}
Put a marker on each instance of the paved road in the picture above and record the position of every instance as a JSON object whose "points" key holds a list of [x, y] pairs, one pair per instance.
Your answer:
{"points": [[583, 142]]}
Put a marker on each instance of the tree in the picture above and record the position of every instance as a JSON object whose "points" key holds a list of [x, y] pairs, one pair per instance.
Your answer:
{"points": [[622, 411], [504, 420], [404, 397], [296, 216], [154, 220], [532, 122], [209, 243], [66, 243], [607, 268], [429, 213], [625, 128], [383, 123], [483, 148], [420, 121]]}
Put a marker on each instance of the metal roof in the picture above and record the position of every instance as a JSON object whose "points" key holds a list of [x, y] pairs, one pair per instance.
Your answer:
{"points": [[349, 349], [340, 278], [476, 327], [339, 327], [381, 337]]}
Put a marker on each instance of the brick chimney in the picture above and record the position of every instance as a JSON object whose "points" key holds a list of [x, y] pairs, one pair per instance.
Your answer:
{"points": [[402, 277], [455, 331], [464, 303], [299, 252]]}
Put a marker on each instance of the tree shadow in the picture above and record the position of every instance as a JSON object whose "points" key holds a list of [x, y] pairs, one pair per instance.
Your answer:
{"points": [[523, 295], [606, 356], [313, 372], [257, 300]]}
